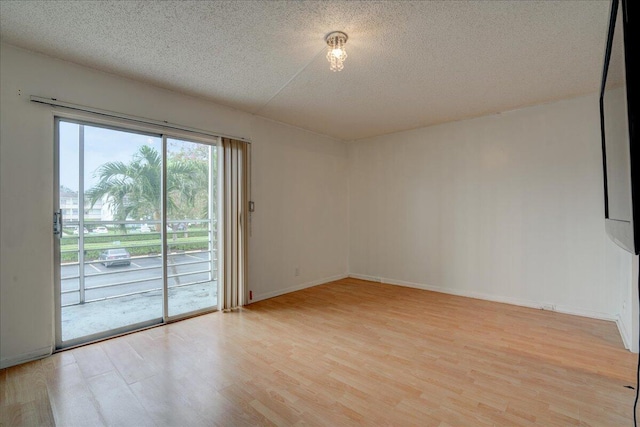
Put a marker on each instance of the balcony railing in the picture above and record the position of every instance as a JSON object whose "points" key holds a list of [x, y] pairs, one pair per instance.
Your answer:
{"points": [[85, 276]]}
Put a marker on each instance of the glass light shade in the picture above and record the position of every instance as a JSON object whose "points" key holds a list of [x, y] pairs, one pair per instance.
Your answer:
{"points": [[336, 53]]}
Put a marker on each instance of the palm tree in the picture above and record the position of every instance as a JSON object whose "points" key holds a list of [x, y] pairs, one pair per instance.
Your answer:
{"points": [[133, 190]]}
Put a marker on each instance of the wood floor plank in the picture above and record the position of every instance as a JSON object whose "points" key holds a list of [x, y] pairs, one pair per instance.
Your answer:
{"points": [[117, 404], [33, 413], [131, 366], [345, 353], [72, 402], [167, 401], [92, 360]]}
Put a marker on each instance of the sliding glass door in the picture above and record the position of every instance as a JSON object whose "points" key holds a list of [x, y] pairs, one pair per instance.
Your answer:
{"points": [[192, 265], [137, 241]]}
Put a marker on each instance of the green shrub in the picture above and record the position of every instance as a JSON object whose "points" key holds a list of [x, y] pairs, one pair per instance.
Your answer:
{"points": [[136, 244]]}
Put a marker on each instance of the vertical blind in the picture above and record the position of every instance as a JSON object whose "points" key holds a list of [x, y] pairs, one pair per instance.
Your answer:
{"points": [[235, 209]]}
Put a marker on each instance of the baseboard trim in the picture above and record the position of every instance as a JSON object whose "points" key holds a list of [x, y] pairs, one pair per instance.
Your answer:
{"points": [[301, 286], [26, 357], [366, 277], [541, 305]]}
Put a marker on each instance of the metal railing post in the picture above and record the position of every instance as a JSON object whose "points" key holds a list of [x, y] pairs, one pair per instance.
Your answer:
{"points": [[210, 209], [81, 213]]}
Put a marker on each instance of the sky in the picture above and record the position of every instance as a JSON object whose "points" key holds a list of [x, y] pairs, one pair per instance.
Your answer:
{"points": [[102, 145]]}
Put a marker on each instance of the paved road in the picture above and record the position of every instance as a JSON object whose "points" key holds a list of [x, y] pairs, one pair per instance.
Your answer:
{"points": [[145, 271]]}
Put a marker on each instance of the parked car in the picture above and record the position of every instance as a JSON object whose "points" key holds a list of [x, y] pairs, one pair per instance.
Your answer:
{"points": [[76, 231], [118, 256], [101, 230], [144, 228]]}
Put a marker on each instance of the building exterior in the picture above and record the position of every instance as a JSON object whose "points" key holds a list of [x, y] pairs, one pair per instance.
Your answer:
{"points": [[69, 206]]}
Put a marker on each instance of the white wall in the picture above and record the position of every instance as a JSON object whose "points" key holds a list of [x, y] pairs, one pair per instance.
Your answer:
{"points": [[298, 186], [506, 207], [620, 266], [628, 319], [301, 210]]}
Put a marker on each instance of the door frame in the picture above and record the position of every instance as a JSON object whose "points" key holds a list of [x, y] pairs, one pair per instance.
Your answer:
{"points": [[131, 126]]}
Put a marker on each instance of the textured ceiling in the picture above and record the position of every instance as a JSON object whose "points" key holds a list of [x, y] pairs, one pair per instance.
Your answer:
{"points": [[410, 64]]}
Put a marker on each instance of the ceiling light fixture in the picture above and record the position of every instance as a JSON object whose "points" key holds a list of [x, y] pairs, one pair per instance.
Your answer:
{"points": [[336, 54]]}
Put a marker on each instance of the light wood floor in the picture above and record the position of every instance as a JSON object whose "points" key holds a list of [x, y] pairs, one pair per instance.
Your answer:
{"points": [[345, 353]]}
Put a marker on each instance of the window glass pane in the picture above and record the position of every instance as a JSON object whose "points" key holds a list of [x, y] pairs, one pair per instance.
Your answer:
{"points": [[192, 270], [114, 231]]}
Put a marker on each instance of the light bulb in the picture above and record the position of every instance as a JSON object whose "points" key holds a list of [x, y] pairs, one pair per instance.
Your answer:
{"points": [[336, 54]]}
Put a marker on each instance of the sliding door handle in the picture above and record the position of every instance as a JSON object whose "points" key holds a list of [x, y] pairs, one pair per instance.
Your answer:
{"points": [[57, 223]]}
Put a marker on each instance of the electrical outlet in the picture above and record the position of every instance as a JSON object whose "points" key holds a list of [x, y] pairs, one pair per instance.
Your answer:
{"points": [[296, 273]]}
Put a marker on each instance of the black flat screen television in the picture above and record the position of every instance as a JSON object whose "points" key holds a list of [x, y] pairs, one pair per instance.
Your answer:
{"points": [[620, 122]]}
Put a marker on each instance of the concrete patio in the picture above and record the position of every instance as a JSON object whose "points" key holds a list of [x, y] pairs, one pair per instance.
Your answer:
{"points": [[86, 319]]}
